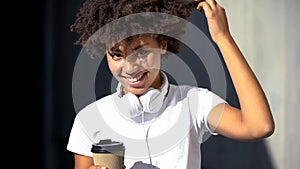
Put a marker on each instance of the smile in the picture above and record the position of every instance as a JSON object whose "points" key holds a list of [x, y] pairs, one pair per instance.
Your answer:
{"points": [[135, 79]]}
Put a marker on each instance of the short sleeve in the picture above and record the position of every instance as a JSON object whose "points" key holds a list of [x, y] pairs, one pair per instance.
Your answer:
{"points": [[79, 142], [201, 102]]}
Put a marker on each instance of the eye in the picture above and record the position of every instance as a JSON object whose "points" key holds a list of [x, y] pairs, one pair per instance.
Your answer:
{"points": [[142, 53], [115, 56]]}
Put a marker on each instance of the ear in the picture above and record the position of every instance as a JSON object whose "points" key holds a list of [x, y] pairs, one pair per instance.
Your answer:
{"points": [[164, 46]]}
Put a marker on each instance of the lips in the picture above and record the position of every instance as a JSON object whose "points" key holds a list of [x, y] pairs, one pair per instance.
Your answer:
{"points": [[137, 80]]}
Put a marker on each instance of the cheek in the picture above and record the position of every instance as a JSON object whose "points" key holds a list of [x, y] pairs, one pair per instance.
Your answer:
{"points": [[153, 61], [113, 67]]}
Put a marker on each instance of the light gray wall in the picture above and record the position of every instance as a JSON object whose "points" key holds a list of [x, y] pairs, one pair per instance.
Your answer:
{"points": [[268, 35]]}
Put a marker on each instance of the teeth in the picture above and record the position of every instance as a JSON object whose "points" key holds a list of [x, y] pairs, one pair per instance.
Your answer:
{"points": [[135, 79]]}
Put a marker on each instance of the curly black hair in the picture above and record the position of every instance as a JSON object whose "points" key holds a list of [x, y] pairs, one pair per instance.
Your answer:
{"points": [[95, 14]]}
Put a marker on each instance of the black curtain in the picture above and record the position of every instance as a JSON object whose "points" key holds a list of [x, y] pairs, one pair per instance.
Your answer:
{"points": [[55, 58]]}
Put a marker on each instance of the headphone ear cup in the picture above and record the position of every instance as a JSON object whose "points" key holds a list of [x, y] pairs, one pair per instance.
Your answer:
{"points": [[135, 107], [152, 101]]}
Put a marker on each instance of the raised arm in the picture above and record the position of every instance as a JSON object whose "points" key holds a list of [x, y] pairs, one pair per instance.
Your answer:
{"points": [[253, 120]]}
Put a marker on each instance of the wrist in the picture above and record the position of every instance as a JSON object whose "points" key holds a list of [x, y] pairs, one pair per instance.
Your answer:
{"points": [[223, 40]]}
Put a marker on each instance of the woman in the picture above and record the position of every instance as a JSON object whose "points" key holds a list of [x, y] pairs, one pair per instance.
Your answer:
{"points": [[148, 99]]}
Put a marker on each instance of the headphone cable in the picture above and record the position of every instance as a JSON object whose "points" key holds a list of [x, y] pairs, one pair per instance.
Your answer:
{"points": [[147, 133]]}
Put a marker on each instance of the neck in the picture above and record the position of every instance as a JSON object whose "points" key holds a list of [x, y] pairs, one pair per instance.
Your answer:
{"points": [[157, 82]]}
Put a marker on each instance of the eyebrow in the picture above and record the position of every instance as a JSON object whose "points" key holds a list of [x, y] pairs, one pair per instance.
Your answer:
{"points": [[118, 51], [114, 51], [139, 46]]}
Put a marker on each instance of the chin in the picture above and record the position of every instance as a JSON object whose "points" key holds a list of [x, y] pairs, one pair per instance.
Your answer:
{"points": [[138, 92]]}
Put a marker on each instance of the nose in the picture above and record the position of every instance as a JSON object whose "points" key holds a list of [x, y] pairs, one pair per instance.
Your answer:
{"points": [[132, 65]]}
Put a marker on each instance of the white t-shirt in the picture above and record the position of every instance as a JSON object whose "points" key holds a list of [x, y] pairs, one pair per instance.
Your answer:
{"points": [[168, 139]]}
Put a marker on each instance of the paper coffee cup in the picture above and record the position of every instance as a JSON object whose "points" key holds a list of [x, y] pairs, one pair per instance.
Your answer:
{"points": [[109, 154]]}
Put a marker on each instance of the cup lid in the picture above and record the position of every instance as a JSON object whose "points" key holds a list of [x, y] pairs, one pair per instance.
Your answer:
{"points": [[107, 146]]}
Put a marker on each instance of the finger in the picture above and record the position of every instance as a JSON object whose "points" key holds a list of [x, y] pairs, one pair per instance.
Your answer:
{"points": [[212, 3], [97, 167], [204, 6], [197, 2]]}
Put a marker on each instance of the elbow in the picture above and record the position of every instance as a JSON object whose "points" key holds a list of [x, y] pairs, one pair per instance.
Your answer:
{"points": [[267, 130], [263, 131]]}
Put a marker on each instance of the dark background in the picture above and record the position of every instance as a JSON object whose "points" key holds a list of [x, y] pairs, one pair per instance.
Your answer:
{"points": [[46, 110]]}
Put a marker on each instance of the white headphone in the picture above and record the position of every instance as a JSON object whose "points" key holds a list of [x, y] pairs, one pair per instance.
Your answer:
{"points": [[149, 102]]}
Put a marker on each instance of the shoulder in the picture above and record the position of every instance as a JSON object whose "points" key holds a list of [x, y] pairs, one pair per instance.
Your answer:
{"points": [[186, 90], [198, 96], [92, 111], [90, 119], [102, 101]]}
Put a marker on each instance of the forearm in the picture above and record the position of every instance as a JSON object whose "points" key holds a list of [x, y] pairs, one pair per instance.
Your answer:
{"points": [[256, 113]]}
